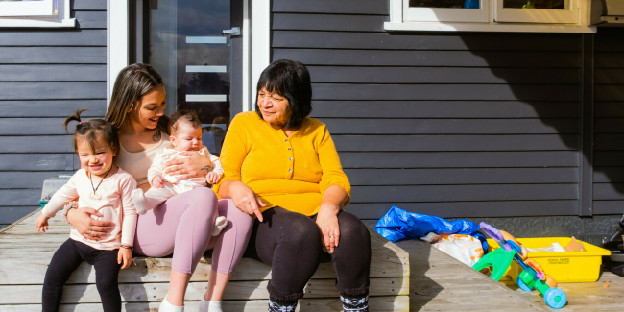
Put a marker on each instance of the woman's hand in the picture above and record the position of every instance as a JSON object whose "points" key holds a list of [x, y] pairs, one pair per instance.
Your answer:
{"points": [[244, 198], [192, 166], [327, 221], [81, 220]]}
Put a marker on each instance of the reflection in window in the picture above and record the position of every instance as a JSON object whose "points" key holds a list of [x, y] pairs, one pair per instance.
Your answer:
{"points": [[534, 4], [444, 4]]}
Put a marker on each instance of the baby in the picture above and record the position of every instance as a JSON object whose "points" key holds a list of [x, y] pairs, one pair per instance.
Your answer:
{"points": [[186, 135]]}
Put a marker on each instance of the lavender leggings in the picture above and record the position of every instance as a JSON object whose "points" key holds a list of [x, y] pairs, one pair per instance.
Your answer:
{"points": [[183, 226]]}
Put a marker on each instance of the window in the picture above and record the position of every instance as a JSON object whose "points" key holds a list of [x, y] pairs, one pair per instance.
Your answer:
{"points": [[27, 7], [35, 13], [491, 15]]}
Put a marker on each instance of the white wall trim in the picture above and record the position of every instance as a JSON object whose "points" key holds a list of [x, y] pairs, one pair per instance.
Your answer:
{"points": [[260, 43], [246, 29], [118, 41]]}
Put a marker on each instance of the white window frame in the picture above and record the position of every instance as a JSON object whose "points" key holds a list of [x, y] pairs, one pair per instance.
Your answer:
{"points": [[35, 14], [403, 18]]}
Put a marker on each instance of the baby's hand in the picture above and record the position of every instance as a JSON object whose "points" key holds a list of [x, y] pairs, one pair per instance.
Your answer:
{"points": [[42, 223], [124, 256], [158, 182], [212, 177]]}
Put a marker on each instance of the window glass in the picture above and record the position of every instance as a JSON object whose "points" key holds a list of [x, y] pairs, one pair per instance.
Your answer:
{"points": [[444, 4], [535, 4]]}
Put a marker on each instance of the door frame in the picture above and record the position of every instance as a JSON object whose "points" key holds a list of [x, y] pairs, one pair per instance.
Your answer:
{"points": [[256, 38]]}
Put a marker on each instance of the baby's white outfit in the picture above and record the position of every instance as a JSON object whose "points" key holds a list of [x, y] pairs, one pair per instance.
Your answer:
{"points": [[172, 185]]}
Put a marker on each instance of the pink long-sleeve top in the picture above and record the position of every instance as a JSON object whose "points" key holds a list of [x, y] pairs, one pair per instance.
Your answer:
{"points": [[115, 205]]}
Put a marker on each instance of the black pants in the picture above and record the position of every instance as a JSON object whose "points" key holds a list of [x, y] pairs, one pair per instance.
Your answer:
{"points": [[292, 244], [65, 261]]}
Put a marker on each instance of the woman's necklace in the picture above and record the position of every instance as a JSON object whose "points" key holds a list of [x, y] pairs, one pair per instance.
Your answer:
{"points": [[95, 195], [156, 136]]}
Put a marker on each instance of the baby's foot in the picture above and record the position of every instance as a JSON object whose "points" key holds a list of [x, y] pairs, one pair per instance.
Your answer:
{"points": [[220, 224], [138, 199]]}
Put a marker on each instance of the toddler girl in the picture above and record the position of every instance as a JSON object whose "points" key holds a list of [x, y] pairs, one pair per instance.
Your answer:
{"points": [[186, 136], [101, 185]]}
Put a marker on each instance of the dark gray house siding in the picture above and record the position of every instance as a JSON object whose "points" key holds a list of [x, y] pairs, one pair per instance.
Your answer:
{"points": [[45, 74], [458, 124], [609, 122]]}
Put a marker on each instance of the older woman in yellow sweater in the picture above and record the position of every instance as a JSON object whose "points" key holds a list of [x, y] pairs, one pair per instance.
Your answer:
{"points": [[283, 167]]}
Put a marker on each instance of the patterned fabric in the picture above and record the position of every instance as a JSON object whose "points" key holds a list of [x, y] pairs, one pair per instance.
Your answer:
{"points": [[282, 307], [358, 304]]}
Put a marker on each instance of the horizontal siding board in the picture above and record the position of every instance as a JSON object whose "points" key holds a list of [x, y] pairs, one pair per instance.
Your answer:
{"points": [[608, 109], [331, 22], [444, 109], [89, 5], [609, 75], [428, 58], [451, 92], [451, 193], [376, 74], [91, 19], [608, 60], [608, 158], [332, 6], [470, 209], [95, 108], [607, 207], [21, 179], [478, 159], [609, 174], [20, 197], [609, 142], [10, 214], [449, 126], [385, 176], [609, 191], [451, 142], [36, 162], [45, 144], [55, 72], [94, 37], [409, 41], [609, 39], [52, 55], [52, 90], [609, 125], [609, 93], [45, 126]]}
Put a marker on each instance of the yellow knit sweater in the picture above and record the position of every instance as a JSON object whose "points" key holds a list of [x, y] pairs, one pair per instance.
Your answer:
{"points": [[290, 172]]}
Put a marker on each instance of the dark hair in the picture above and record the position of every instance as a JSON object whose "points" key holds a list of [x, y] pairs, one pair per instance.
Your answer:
{"points": [[186, 115], [92, 130], [132, 83], [291, 80]]}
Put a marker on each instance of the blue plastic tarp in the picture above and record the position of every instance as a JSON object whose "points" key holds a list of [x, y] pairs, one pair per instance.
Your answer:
{"points": [[399, 224]]}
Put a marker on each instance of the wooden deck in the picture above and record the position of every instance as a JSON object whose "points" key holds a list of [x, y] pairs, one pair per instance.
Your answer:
{"points": [[433, 280], [25, 255]]}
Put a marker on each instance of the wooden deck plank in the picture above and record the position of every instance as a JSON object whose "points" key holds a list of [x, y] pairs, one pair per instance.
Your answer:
{"points": [[439, 282], [380, 304], [144, 284]]}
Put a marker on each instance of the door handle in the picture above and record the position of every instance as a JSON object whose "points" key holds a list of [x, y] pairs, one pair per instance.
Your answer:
{"points": [[234, 31]]}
